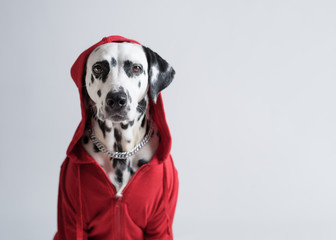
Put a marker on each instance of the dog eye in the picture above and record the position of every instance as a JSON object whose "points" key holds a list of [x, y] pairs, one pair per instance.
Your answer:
{"points": [[136, 68], [97, 69]]}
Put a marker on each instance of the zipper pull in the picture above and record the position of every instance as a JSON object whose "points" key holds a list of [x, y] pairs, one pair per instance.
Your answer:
{"points": [[118, 199]]}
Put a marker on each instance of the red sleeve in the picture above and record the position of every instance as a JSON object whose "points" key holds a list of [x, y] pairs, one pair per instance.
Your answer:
{"points": [[159, 226], [69, 219]]}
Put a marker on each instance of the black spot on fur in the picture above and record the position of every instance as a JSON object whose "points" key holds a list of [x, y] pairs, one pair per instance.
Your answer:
{"points": [[119, 177], [85, 139], [102, 127], [128, 68], [95, 148], [92, 78], [114, 162], [142, 106], [120, 163], [120, 166], [130, 169], [117, 147], [139, 84], [147, 127], [140, 117], [113, 62], [128, 96], [131, 123], [141, 162], [107, 129], [128, 165], [124, 126], [106, 69], [117, 135], [99, 93], [143, 122]]}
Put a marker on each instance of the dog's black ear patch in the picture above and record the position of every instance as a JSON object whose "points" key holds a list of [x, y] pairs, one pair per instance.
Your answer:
{"points": [[160, 73]]}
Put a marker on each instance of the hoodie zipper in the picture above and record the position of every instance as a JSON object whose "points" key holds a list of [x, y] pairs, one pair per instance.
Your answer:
{"points": [[119, 199], [118, 217]]}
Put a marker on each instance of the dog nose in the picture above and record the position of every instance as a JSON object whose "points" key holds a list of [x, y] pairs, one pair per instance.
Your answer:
{"points": [[116, 100]]}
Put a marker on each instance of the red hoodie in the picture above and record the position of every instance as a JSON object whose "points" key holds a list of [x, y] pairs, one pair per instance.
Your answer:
{"points": [[87, 205]]}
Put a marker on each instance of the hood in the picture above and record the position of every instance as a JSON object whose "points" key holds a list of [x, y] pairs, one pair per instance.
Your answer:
{"points": [[74, 151]]}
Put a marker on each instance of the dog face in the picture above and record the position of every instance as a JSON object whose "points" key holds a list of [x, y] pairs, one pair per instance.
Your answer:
{"points": [[117, 77]]}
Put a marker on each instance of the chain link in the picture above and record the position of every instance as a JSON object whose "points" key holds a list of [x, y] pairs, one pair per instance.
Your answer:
{"points": [[120, 155]]}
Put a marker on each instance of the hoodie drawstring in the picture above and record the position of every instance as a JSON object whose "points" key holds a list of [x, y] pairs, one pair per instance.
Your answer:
{"points": [[166, 195], [80, 215]]}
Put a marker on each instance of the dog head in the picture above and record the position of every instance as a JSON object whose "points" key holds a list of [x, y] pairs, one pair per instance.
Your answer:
{"points": [[117, 78]]}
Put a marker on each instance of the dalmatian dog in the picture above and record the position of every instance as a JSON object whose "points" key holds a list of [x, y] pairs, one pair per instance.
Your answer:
{"points": [[116, 81]]}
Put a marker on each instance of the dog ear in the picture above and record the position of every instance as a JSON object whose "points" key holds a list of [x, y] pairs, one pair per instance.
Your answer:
{"points": [[160, 73]]}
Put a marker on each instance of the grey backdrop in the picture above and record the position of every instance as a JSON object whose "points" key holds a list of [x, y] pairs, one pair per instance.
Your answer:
{"points": [[251, 110]]}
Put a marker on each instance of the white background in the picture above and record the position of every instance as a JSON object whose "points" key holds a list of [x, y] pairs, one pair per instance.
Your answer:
{"points": [[251, 110]]}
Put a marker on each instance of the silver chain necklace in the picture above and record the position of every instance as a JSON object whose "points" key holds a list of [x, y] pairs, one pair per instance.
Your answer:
{"points": [[120, 155]]}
